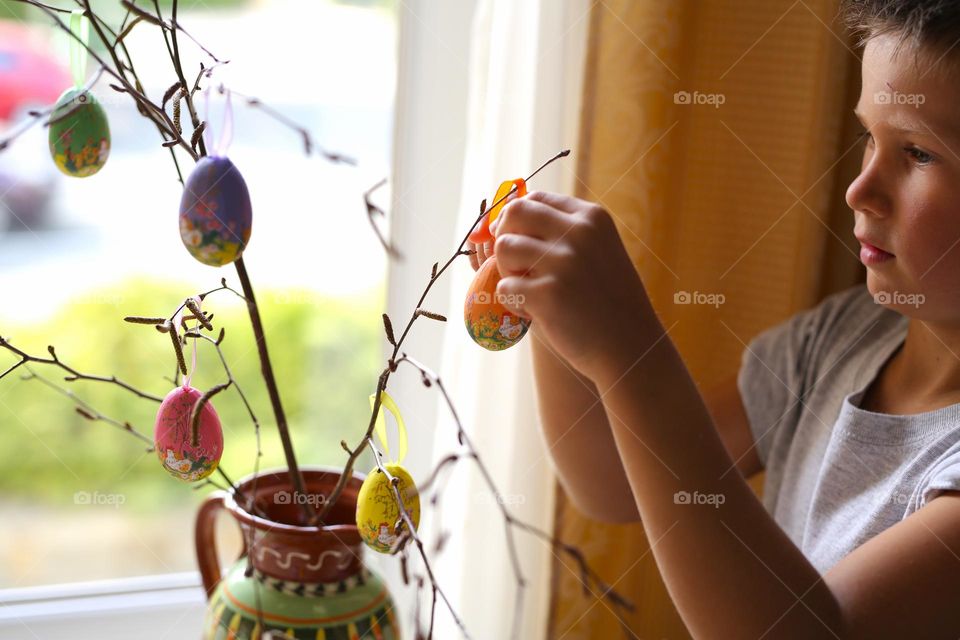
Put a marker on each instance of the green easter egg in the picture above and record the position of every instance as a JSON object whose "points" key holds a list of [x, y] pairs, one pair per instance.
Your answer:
{"points": [[79, 134]]}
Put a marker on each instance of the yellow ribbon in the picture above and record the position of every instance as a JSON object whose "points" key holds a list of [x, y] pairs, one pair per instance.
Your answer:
{"points": [[506, 187], [381, 426]]}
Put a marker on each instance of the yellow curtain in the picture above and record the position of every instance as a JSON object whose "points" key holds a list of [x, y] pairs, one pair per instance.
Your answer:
{"points": [[719, 134]]}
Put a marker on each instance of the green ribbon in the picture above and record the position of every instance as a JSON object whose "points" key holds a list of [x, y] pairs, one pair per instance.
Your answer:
{"points": [[80, 28]]}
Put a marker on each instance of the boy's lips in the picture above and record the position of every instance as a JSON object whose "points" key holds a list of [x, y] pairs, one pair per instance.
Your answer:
{"points": [[866, 242], [871, 254]]}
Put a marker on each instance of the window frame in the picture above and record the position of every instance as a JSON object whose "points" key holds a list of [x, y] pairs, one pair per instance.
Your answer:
{"points": [[159, 606]]}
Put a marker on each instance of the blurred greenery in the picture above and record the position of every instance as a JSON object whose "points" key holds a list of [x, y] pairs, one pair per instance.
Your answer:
{"points": [[325, 352]]}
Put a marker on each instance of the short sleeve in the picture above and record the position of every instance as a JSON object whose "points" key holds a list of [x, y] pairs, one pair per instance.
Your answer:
{"points": [[776, 365], [943, 475]]}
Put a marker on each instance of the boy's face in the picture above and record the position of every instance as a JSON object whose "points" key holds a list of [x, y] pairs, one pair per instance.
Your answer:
{"points": [[906, 199]]}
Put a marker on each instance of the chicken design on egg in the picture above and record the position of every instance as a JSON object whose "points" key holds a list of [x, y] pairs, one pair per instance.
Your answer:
{"points": [[377, 511]]}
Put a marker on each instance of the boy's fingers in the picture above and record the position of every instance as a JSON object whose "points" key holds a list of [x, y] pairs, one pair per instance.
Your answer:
{"points": [[532, 218], [481, 253], [567, 204], [512, 292], [521, 255]]}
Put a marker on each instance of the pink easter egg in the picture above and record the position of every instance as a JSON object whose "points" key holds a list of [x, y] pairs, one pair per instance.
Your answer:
{"points": [[172, 436]]}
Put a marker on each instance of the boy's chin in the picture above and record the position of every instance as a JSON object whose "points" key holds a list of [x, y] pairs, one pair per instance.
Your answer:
{"points": [[903, 300]]}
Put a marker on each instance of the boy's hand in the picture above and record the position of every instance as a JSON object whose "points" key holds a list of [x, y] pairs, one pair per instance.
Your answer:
{"points": [[564, 266], [483, 251]]}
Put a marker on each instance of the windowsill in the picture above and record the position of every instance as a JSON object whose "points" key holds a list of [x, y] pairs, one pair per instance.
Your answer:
{"points": [[162, 606]]}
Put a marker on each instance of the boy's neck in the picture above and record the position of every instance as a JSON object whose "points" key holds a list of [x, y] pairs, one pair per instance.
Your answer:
{"points": [[927, 367]]}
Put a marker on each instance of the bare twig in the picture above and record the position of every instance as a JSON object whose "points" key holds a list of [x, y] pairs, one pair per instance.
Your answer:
{"points": [[391, 365], [372, 211], [74, 374], [88, 411], [587, 576], [198, 411], [410, 532], [308, 143]]}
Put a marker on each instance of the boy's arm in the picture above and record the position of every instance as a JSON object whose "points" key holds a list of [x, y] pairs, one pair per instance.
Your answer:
{"points": [[730, 569], [578, 438], [730, 417]]}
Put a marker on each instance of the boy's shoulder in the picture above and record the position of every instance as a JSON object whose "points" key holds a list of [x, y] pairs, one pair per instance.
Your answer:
{"points": [[853, 305], [850, 323], [847, 322]]}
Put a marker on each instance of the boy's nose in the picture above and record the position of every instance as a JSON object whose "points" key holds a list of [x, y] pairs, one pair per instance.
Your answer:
{"points": [[867, 191]]}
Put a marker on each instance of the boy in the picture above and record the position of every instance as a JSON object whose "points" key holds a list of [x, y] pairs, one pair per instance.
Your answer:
{"points": [[851, 407]]}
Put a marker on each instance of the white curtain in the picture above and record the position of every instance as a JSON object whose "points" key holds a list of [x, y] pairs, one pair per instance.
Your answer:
{"points": [[523, 103]]}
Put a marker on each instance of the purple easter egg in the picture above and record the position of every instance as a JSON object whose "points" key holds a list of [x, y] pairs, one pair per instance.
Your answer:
{"points": [[172, 436], [215, 212]]}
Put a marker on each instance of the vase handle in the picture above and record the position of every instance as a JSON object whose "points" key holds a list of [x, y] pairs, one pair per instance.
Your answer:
{"points": [[205, 540]]}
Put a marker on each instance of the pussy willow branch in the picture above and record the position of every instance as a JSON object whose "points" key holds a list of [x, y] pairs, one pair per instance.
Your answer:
{"points": [[86, 410], [409, 532], [429, 378], [273, 391], [391, 364], [309, 144], [248, 293], [55, 360], [125, 29], [372, 212], [251, 506], [178, 67], [587, 576], [150, 110]]}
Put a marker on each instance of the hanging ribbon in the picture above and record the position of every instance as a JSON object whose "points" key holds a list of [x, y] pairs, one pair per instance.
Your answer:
{"points": [[482, 232], [381, 426], [80, 28], [226, 131]]}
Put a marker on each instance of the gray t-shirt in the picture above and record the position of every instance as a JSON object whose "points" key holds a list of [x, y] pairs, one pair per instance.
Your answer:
{"points": [[837, 475]]}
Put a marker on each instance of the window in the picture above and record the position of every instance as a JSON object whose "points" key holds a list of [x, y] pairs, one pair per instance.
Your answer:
{"points": [[81, 500]]}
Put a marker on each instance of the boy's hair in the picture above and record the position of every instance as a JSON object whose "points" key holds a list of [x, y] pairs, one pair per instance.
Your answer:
{"points": [[930, 28]]}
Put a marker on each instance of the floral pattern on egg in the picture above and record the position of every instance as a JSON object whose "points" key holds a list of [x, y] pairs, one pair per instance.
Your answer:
{"points": [[215, 212], [79, 136]]}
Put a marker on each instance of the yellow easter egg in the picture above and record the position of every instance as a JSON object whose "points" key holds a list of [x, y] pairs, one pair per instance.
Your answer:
{"points": [[377, 511]]}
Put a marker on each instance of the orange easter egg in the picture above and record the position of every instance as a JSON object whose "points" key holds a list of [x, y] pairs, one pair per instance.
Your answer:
{"points": [[488, 321]]}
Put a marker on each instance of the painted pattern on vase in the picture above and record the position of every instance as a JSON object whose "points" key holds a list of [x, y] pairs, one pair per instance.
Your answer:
{"points": [[302, 582]]}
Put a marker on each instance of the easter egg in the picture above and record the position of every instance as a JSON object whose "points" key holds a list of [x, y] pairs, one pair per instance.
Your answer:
{"points": [[172, 436], [79, 134], [215, 212], [377, 510], [489, 323]]}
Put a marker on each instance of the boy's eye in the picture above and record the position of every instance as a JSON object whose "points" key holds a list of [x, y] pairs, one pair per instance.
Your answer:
{"points": [[922, 157], [865, 134]]}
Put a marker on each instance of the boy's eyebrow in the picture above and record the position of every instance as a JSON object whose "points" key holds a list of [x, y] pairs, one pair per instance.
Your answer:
{"points": [[910, 126]]}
